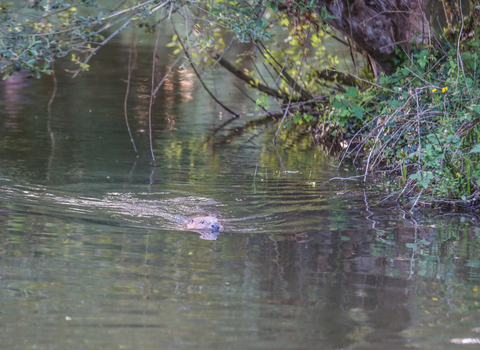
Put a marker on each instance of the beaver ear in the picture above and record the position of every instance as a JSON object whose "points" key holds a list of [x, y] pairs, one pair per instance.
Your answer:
{"points": [[202, 222], [190, 221]]}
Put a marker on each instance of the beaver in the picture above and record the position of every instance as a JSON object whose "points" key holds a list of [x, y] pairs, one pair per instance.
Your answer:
{"points": [[204, 223], [207, 226]]}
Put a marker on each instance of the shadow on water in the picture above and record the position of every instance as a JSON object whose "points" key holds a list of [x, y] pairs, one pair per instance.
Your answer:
{"points": [[92, 256]]}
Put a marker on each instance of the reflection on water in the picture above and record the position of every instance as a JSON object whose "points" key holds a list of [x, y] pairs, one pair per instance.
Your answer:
{"points": [[91, 255]]}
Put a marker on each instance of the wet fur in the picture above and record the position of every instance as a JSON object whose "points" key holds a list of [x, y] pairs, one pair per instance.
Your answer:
{"points": [[203, 223]]}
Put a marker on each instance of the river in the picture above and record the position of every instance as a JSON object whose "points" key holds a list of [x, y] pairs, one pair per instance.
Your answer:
{"points": [[90, 259]]}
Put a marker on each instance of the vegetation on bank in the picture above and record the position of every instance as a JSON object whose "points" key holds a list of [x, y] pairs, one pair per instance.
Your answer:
{"points": [[422, 125], [407, 103]]}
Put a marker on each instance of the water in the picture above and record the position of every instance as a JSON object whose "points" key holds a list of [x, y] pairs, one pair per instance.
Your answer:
{"points": [[90, 258]]}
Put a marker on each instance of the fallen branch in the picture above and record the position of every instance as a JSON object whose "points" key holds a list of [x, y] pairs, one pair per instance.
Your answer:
{"points": [[239, 74]]}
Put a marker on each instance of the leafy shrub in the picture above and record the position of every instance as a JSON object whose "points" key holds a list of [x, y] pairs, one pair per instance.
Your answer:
{"points": [[423, 124]]}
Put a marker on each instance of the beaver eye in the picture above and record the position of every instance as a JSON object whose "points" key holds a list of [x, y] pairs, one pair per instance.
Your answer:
{"points": [[202, 222]]}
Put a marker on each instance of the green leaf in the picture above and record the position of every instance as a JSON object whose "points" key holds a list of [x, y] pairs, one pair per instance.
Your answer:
{"points": [[416, 176], [424, 183], [352, 92], [359, 112], [475, 149]]}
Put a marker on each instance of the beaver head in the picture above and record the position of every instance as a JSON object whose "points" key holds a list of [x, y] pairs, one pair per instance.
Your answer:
{"points": [[203, 223]]}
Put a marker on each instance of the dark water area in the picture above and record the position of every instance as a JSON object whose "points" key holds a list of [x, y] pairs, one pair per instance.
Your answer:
{"points": [[92, 258]]}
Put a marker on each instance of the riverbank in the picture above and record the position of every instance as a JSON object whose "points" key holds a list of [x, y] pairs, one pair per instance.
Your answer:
{"points": [[422, 125]]}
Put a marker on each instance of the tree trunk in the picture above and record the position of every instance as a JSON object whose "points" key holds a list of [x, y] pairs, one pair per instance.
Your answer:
{"points": [[376, 26]]}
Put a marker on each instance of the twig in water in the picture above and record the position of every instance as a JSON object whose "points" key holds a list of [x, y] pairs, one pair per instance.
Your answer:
{"points": [[131, 65], [279, 158], [351, 178], [151, 97], [281, 122], [54, 92], [49, 129]]}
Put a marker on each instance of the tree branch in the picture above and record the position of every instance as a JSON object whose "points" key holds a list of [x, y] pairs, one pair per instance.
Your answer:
{"points": [[290, 81], [239, 74], [185, 49]]}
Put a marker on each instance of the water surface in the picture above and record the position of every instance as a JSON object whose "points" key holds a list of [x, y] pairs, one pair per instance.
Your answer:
{"points": [[90, 260]]}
